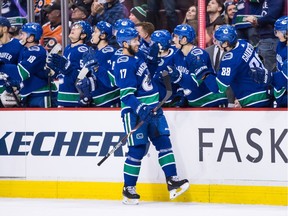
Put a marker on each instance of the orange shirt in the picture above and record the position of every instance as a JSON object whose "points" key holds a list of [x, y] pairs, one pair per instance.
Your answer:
{"points": [[51, 36]]}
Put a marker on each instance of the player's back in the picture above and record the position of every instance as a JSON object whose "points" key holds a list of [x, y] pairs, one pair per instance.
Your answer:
{"points": [[234, 71]]}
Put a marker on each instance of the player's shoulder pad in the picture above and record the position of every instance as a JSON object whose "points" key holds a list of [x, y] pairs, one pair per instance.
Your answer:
{"points": [[123, 59], [196, 51], [108, 49], [34, 48], [119, 51], [82, 48], [227, 56]]}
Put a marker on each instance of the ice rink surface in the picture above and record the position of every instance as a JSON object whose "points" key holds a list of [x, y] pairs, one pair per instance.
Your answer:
{"points": [[66, 207]]}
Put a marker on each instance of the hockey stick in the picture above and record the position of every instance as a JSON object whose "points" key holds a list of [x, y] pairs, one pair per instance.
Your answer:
{"points": [[167, 83], [56, 49]]}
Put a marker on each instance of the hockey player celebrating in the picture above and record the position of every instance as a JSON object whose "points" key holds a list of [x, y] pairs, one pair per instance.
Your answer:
{"points": [[162, 39], [69, 65], [30, 72], [99, 64], [138, 98], [234, 70], [186, 66]]}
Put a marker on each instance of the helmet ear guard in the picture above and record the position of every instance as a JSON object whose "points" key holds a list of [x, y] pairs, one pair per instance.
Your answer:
{"points": [[125, 35], [163, 38], [185, 30], [33, 29], [105, 28], [281, 25], [86, 29], [226, 33]]}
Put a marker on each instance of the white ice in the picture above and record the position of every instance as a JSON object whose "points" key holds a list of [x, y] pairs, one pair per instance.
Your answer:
{"points": [[67, 207]]}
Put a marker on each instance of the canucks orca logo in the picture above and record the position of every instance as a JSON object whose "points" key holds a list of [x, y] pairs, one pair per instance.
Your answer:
{"points": [[146, 83]]}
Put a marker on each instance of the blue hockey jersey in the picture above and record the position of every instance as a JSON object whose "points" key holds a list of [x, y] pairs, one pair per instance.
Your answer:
{"points": [[68, 95], [234, 71], [133, 78]]}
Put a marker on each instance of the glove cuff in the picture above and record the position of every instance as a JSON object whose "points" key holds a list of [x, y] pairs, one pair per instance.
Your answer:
{"points": [[139, 107]]}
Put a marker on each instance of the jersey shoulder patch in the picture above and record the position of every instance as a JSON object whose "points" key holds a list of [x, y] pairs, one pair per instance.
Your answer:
{"points": [[34, 48], [227, 56], [82, 48], [107, 49], [196, 51], [123, 59]]}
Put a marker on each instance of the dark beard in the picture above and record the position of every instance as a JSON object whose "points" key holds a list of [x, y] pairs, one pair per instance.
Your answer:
{"points": [[131, 51]]}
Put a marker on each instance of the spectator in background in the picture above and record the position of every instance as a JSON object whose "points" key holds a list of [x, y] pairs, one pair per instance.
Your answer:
{"points": [[40, 16], [139, 2], [191, 18], [109, 12], [79, 12], [85, 3], [52, 30], [171, 15], [271, 11], [214, 12], [138, 14], [245, 30], [12, 8], [230, 10]]}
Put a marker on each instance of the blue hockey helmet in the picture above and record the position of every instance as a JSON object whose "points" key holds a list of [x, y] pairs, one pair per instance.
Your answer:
{"points": [[185, 30], [4, 22], [33, 28], [86, 29], [281, 24], [123, 23], [105, 28], [125, 35], [163, 37], [226, 33]]}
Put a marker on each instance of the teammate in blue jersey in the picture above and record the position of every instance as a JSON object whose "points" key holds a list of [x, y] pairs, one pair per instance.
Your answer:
{"points": [[277, 79], [99, 62], [281, 31], [162, 39], [234, 70], [30, 71], [69, 65], [10, 49], [185, 69], [139, 95]]}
